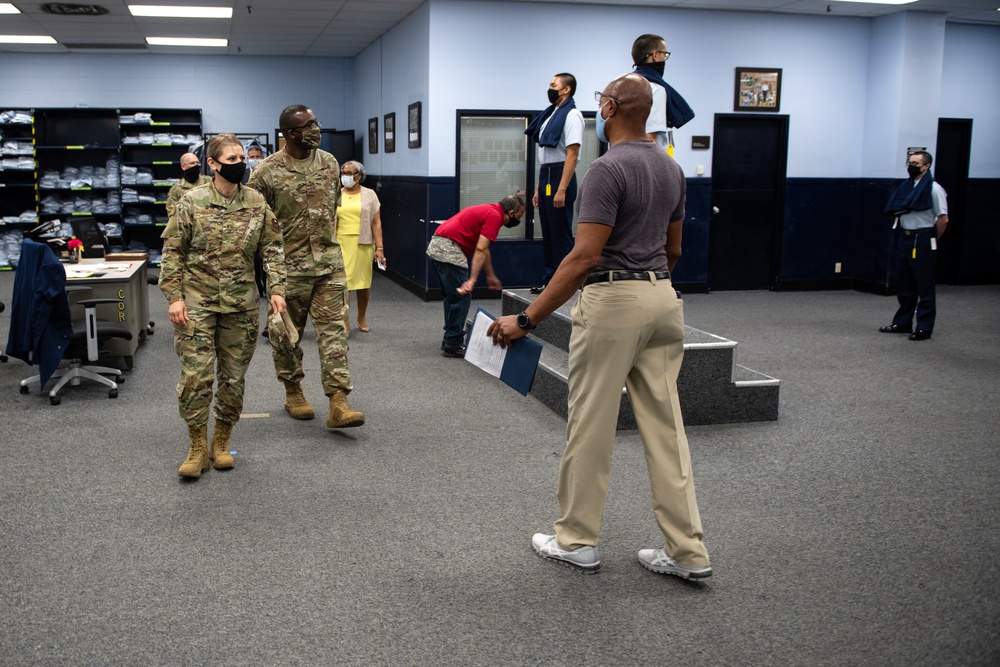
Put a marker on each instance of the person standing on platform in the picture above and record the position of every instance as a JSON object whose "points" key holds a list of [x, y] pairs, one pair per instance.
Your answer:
{"points": [[207, 276], [191, 167], [628, 329], [359, 232], [301, 183], [558, 131], [669, 109], [466, 234], [920, 206]]}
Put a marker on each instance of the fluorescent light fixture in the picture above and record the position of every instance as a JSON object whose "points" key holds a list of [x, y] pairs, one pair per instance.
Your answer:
{"points": [[187, 41], [163, 11], [7, 8], [880, 2], [27, 39]]}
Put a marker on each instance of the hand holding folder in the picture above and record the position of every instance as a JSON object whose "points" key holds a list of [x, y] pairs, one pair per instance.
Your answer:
{"points": [[515, 365]]}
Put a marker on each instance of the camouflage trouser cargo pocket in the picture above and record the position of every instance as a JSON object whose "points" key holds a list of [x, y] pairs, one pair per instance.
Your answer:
{"points": [[210, 344], [321, 298]]}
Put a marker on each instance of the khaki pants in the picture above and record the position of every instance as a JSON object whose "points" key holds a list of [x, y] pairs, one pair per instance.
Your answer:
{"points": [[627, 333]]}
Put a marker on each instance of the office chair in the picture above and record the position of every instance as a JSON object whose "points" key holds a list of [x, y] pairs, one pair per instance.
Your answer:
{"points": [[43, 332]]}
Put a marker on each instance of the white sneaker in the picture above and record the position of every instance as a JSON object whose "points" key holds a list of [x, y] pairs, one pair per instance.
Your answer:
{"points": [[584, 559], [656, 560]]}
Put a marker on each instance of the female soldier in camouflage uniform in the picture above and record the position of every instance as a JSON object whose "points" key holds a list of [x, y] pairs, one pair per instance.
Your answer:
{"points": [[207, 275]]}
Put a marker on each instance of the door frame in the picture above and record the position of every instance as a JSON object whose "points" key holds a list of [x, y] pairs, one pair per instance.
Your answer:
{"points": [[780, 188]]}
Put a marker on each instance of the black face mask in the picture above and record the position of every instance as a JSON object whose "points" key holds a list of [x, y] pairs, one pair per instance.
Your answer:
{"points": [[553, 95], [191, 174], [232, 172], [511, 222], [657, 67], [913, 171]]}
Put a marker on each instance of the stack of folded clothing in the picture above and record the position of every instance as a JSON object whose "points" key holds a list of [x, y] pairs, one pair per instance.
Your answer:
{"points": [[14, 117], [128, 174], [17, 147], [21, 163]]}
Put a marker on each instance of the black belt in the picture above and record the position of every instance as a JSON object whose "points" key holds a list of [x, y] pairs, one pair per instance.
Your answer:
{"points": [[612, 276], [914, 232]]}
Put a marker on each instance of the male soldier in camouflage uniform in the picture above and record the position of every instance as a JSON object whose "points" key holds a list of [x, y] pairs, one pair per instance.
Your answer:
{"points": [[191, 166], [301, 183], [207, 275]]}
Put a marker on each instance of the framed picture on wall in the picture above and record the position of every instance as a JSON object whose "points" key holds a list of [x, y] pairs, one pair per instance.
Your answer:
{"points": [[413, 125], [390, 132], [757, 89], [373, 135]]}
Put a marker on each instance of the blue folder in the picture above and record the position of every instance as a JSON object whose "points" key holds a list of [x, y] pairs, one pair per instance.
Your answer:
{"points": [[520, 363]]}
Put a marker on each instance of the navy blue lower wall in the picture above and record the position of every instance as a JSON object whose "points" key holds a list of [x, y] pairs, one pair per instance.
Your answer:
{"points": [[979, 256], [691, 272], [409, 205], [831, 221], [826, 221]]}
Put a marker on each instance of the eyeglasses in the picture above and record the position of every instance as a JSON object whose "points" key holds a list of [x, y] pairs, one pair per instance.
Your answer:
{"points": [[348, 173], [308, 126], [598, 95], [914, 164], [665, 54]]}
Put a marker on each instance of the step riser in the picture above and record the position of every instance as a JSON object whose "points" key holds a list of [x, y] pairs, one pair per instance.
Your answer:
{"points": [[700, 403], [705, 385]]}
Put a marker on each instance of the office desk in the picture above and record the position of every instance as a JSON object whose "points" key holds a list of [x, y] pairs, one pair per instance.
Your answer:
{"points": [[123, 281]]}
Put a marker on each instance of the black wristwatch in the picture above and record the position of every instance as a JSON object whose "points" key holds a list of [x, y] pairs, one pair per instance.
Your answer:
{"points": [[524, 321]]}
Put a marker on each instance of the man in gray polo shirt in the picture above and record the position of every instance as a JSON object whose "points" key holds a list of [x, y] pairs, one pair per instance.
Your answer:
{"points": [[628, 328]]}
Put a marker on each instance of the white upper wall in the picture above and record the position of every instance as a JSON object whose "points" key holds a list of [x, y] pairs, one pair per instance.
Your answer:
{"points": [[243, 94], [836, 71], [824, 63], [392, 74], [970, 88], [903, 96]]}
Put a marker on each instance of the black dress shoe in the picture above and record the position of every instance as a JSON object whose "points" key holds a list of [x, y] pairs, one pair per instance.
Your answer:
{"points": [[894, 328], [920, 334], [458, 352]]}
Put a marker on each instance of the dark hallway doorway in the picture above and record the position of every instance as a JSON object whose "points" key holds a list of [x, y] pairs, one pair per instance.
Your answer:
{"points": [[951, 170]]}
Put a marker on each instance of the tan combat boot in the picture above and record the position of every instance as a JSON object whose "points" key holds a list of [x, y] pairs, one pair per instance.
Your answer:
{"points": [[295, 402], [219, 452], [341, 414], [197, 459]]}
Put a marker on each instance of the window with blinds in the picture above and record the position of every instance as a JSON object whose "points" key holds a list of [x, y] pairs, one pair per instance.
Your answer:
{"points": [[493, 162]]}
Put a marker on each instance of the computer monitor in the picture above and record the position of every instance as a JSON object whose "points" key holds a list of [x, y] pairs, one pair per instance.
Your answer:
{"points": [[95, 244]]}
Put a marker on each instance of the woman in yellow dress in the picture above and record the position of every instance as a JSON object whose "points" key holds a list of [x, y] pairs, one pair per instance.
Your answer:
{"points": [[359, 231]]}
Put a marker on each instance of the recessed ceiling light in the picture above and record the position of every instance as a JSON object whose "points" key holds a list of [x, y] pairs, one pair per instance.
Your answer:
{"points": [[7, 8], [187, 41], [182, 12], [880, 2], [27, 39]]}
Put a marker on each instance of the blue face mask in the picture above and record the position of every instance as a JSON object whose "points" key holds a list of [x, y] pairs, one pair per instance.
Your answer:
{"points": [[599, 126]]}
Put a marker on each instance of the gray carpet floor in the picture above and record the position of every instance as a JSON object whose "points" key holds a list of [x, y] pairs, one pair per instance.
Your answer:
{"points": [[861, 528]]}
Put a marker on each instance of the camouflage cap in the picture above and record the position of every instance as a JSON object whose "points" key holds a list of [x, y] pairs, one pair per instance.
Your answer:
{"points": [[281, 332]]}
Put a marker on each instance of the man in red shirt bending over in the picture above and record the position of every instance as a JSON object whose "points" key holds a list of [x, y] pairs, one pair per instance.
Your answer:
{"points": [[466, 234]]}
